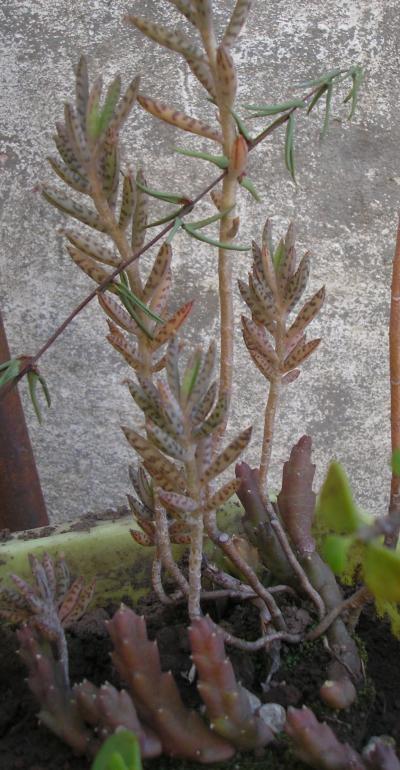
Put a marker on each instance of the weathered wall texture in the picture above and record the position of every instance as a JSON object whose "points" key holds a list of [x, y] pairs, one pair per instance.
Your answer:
{"points": [[345, 209]]}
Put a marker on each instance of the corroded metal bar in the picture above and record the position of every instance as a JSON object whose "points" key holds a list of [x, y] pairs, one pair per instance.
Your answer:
{"points": [[21, 499]]}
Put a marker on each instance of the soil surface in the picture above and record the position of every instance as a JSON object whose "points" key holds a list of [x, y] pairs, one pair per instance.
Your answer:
{"points": [[26, 746]]}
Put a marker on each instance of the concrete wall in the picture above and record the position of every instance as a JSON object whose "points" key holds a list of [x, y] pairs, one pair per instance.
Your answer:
{"points": [[345, 209]]}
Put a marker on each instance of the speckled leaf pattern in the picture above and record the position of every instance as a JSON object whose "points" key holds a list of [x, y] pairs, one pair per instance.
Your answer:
{"points": [[126, 348], [290, 377], [294, 340], [172, 367], [76, 601], [228, 456], [202, 72], [67, 151], [125, 106], [169, 38], [223, 495], [179, 119], [166, 443], [186, 8], [76, 135], [88, 265], [256, 339], [67, 205], [286, 269], [161, 294], [141, 538], [146, 405], [257, 310], [171, 326], [113, 309], [109, 167], [110, 103], [258, 264], [203, 407], [71, 178], [162, 470], [299, 354], [263, 365], [89, 244], [178, 502], [226, 76], [236, 23], [128, 202], [297, 283], [307, 313], [263, 294], [204, 454], [160, 265], [171, 408], [204, 375], [215, 419], [139, 221]]}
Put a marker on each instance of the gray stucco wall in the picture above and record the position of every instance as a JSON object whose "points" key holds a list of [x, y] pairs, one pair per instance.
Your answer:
{"points": [[345, 209]]}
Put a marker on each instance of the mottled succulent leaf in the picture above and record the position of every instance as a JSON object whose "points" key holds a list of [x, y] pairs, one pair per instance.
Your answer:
{"points": [[290, 377], [110, 103], [263, 365], [93, 109], [127, 203], [150, 407], [172, 39], [71, 178], [225, 76], [73, 209], [185, 7], [296, 500], [300, 353], [307, 313], [172, 325], [191, 374], [256, 339], [141, 538], [205, 404], [166, 443], [126, 348], [82, 90], [201, 70], [179, 119], [139, 221], [178, 502], [297, 283], [204, 374], [228, 456], [76, 135], [257, 310], [116, 313], [124, 107], [215, 419], [223, 495], [109, 168], [67, 151], [129, 299], [88, 265], [162, 470], [263, 293], [160, 265], [88, 244], [172, 367], [236, 22]]}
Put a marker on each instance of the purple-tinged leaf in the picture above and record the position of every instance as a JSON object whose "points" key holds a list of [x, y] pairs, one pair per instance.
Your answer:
{"points": [[128, 202], [166, 443], [223, 495], [168, 38], [256, 339], [116, 313], [269, 371], [228, 456], [296, 500], [169, 328], [164, 472], [236, 23], [73, 209], [70, 177], [299, 354], [215, 419], [307, 313], [157, 272], [82, 91], [124, 108], [177, 502], [179, 119]]}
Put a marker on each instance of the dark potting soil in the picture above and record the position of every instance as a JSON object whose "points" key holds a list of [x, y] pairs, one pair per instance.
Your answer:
{"points": [[26, 746]]}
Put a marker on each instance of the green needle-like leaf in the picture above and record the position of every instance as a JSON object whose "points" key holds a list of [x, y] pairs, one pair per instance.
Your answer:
{"points": [[322, 79], [10, 370], [317, 96], [177, 226], [204, 222], [169, 197], [219, 160], [289, 146], [173, 215], [249, 186], [33, 379], [217, 244], [242, 128], [260, 110], [126, 293], [357, 77]]}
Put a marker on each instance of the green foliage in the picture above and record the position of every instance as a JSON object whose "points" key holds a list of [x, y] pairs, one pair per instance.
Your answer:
{"points": [[336, 510], [120, 751]]}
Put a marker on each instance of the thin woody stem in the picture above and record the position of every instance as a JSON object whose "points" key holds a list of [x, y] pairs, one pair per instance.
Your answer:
{"points": [[225, 543], [164, 550], [269, 423], [354, 602], [394, 356]]}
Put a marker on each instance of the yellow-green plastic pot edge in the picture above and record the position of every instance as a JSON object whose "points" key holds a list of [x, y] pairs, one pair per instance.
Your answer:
{"points": [[104, 551]]}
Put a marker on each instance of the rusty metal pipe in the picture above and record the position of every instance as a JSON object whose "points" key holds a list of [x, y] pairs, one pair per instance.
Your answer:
{"points": [[22, 504]]}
